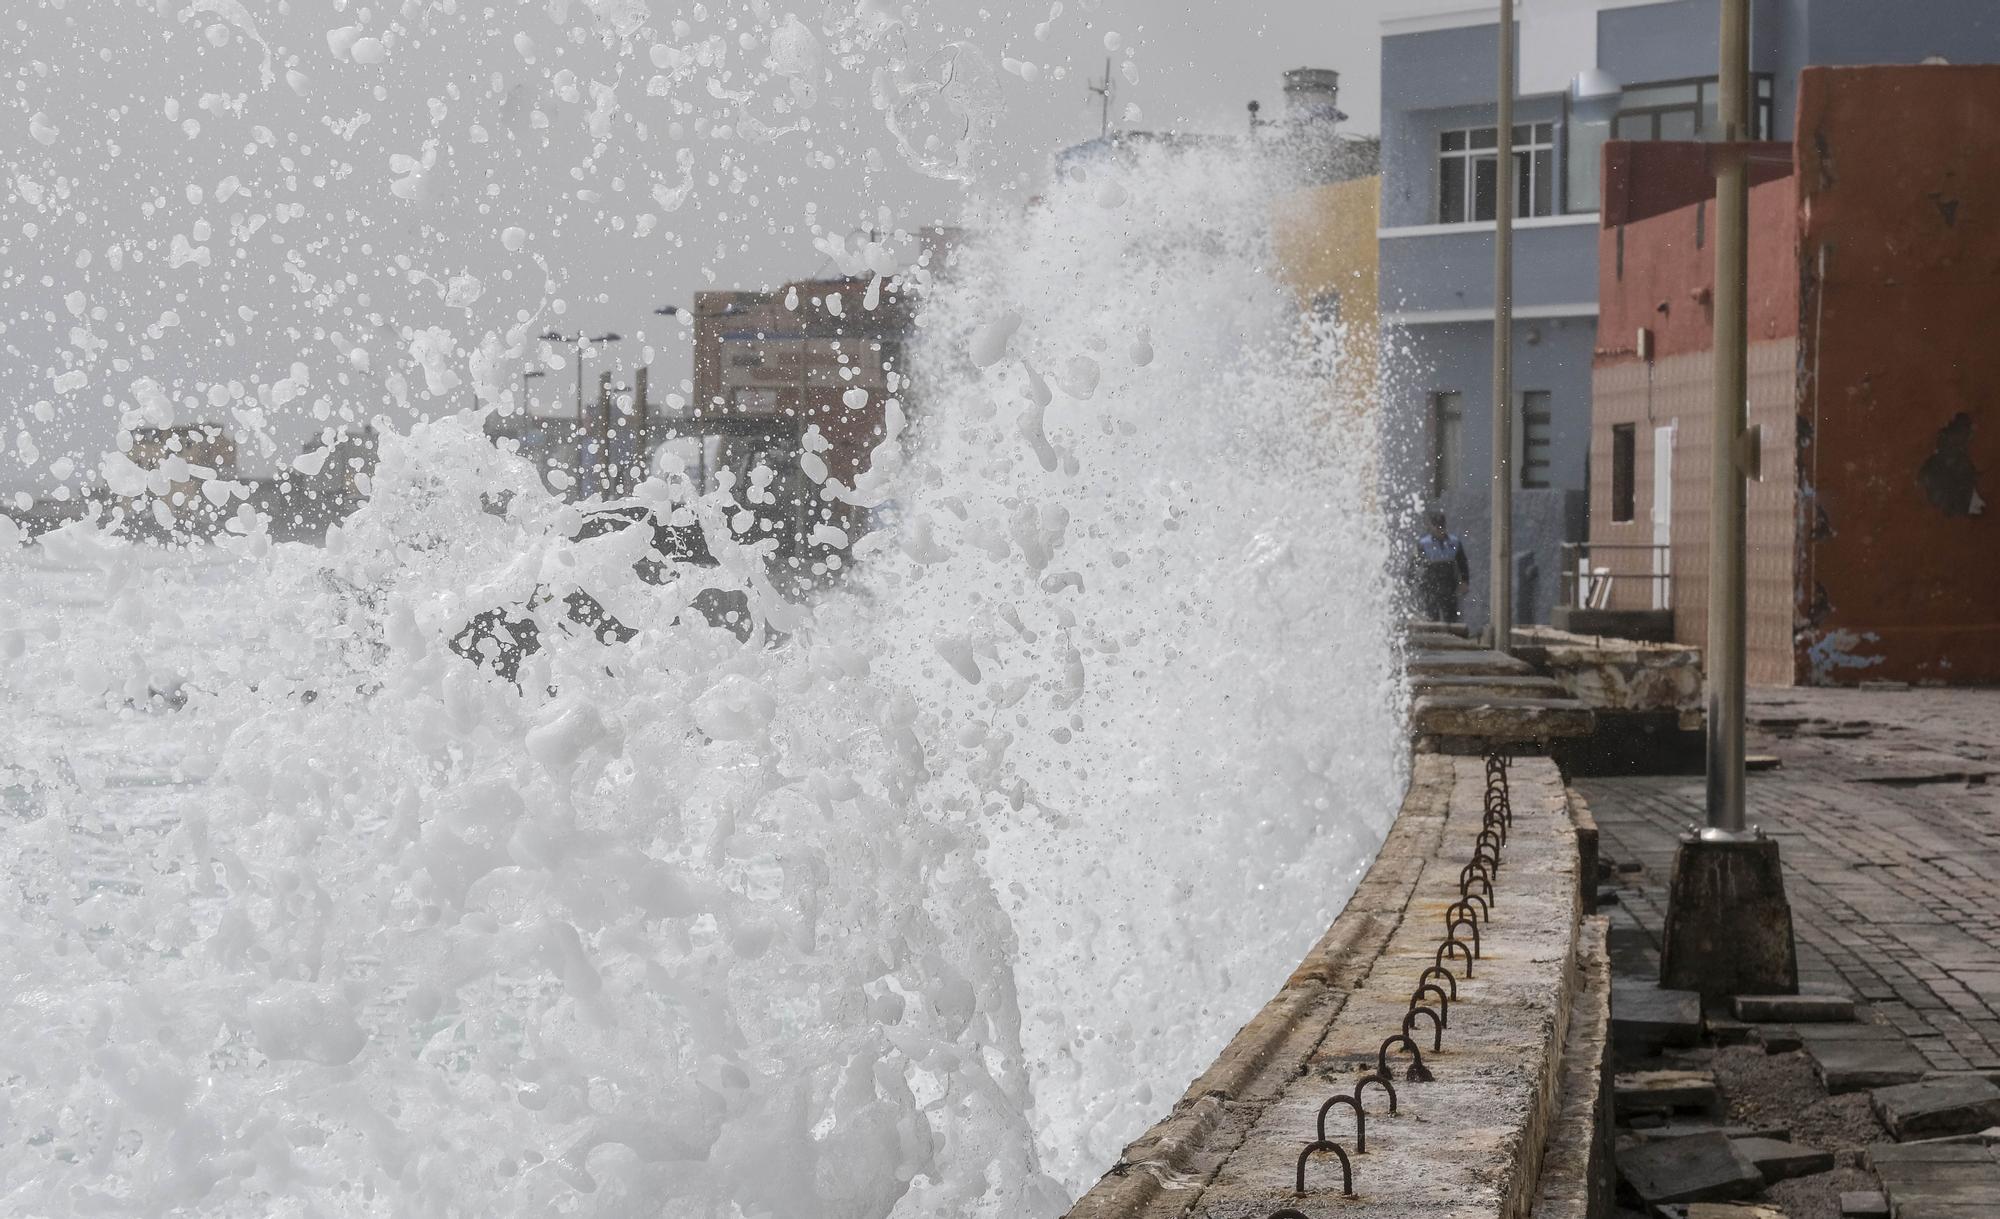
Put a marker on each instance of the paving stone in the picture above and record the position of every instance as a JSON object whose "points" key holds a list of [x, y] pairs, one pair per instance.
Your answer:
{"points": [[1795, 1009], [1724, 1031], [1682, 1130], [1718, 1210], [1855, 1064], [1705, 1168], [1779, 1038], [1781, 1161], [1962, 1105], [1664, 1092], [1863, 1204], [1645, 1016]]}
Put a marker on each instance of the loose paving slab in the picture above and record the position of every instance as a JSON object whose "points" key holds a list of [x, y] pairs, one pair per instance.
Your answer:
{"points": [[1795, 1009], [1639, 1092], [1852, 1058], [1780, 1160], [1938, 1180], [1706, 1168], [1863, 1204], [1938, 1107], [1646, 1016], [1721, 1210]]}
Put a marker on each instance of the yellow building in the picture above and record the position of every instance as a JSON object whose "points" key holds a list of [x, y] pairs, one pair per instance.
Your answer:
{"points": [[1324, 240]]}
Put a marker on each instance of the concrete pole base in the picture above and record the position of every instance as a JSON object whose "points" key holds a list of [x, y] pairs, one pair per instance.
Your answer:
{"points": [[1729, 928]]}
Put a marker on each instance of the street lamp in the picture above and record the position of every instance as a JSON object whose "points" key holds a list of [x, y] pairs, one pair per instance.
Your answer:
{"points": [[580, 342], [1728, 927], [1501, 555]]}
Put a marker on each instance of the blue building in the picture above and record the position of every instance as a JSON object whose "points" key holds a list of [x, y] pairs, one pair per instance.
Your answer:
{"points": [[1588, 71]]}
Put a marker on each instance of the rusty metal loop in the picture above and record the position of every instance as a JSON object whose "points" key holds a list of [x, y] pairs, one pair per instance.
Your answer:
{"points": [[1443, 1003], [1491, 836], [1444, 973], [1465, 904], [1417, 1072], [1466, 920], [1346, 1169], [1445, 950], [1465, 889], [1437, 1025], [1360, 1120], [1493, 859], [1485, 915], [1494, 820], [1378, 1077], [1476, 867]]}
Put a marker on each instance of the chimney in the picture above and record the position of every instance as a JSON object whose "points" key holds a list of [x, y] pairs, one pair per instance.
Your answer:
{"points": [[1312, 95]]}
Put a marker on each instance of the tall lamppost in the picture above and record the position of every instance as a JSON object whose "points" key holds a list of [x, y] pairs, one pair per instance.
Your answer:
{"points": [[580, 343], [1728, 927], [1501, 554]]}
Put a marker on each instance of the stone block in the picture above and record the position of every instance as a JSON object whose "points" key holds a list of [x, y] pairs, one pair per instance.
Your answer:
{"points": [[1779, 1038], [1665, 1092], [1705, 1168], [1718, 1210], [1779, 1160], [1688, 1129], [1728, 928], [1794, 1009], [1863, 1204], [1862, 1056], [1645, 1017], [1932, 1108]]}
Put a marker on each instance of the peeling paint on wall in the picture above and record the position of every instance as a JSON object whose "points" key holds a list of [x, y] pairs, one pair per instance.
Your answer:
{"points": [[1948, 477], [1836, 650]]}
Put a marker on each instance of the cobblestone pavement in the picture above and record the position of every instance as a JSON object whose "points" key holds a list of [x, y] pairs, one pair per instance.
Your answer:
{"points": [[1887, 807]]}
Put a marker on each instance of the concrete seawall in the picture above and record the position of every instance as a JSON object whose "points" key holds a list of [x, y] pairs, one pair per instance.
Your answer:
{"points": [[1520, 1068]]}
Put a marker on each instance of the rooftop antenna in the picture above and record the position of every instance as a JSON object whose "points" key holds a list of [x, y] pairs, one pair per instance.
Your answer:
{"points": [[1104, 92]]}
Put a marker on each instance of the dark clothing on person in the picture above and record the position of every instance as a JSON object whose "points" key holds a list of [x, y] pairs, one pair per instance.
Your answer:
{"points": [[1441, 570]]}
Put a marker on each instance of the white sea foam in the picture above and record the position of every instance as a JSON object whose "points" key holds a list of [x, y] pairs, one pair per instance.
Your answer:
{"points": [[923, 908]]}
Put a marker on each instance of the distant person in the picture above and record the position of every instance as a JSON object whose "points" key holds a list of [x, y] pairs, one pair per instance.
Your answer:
{"points": [[1443, 575]]}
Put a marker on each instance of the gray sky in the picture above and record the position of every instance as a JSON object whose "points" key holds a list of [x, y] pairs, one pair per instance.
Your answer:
{"points": [[292, 214]]}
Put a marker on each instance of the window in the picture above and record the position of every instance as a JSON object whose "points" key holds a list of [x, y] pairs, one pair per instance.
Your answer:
{"points": [[1685, 110], [1669, 110], [1537, 429], [1447, 441], [1468, 185], [1623, 457]]}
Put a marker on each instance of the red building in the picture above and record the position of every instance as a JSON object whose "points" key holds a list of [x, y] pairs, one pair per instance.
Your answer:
{"points": [[1874, 266]]}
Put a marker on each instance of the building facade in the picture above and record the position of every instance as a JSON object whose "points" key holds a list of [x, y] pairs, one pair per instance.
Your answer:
{"points": [[1439, 81], [1873, 270]]}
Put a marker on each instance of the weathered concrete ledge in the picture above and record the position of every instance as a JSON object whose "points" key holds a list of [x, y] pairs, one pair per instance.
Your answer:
{"points": [[1471, 1142]]}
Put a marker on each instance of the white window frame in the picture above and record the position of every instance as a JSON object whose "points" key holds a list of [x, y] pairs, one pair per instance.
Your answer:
{"points": [[1540, 137]]}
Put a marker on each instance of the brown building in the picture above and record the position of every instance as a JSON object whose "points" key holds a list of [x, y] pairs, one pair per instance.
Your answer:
{"points": [[1874, 265], [769, 366]]}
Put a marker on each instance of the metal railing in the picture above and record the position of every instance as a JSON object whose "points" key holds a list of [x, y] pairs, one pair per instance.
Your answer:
{"points": [[1593, 572]]}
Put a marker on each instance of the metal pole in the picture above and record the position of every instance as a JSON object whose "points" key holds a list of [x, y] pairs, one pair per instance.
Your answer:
{"points": [[1726, 610], [1502, 557]]}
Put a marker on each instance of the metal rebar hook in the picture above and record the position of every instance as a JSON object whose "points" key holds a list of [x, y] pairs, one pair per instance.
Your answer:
{"points": [[1437, 1025], [1465, 904], [1445, 950], [1418, 1072], [1346, 1169], [1444, 1004], [1382, 1078], [1485, 882], [1360, 1120], [1466, 920], [1441, 972]]}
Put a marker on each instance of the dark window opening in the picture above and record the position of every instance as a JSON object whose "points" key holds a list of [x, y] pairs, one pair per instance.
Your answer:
{"points": [[1537, 439], [1624, 455], [1447, 441]]}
